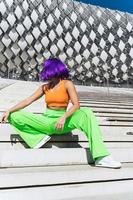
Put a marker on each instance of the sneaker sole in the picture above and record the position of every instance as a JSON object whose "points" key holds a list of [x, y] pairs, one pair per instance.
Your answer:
{"points": [[43, 142], [106, 166]]}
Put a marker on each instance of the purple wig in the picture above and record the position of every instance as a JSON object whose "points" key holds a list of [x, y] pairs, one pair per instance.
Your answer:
{"points": [[54, 68]]}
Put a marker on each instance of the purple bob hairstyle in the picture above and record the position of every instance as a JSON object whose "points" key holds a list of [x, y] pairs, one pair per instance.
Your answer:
{"points": [[54, 68]]}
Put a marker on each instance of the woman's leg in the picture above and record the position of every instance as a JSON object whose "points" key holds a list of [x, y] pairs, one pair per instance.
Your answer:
{"points": [[31, 127], [85, 120]]}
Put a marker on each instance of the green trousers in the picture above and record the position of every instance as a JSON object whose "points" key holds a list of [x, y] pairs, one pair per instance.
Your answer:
{"points": [[33, 127]]}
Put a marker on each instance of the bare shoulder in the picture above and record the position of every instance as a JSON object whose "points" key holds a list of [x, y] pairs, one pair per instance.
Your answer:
{"points": [[69, 84], [43, 87]]}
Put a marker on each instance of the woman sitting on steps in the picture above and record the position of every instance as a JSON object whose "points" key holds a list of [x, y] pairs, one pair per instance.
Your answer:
{"points": [[35, 129]]}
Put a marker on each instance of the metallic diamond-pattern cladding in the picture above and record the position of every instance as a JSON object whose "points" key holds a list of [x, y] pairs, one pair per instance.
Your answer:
{"points": [[96, 43]]}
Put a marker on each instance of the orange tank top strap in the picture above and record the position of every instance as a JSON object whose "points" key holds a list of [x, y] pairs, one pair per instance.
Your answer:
{"points": [[62, 84]]}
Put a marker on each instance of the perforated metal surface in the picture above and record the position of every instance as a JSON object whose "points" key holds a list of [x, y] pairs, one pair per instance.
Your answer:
{"points": [[95, 43]]}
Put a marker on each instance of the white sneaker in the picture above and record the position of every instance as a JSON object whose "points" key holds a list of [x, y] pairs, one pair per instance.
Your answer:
{"points": [[108, 162], [42, 142]]}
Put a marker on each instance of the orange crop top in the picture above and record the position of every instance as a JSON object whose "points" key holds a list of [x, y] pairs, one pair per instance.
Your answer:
{"points": [[57, 97]]}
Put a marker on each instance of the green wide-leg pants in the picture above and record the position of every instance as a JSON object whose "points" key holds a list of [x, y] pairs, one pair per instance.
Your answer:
{"points": [[33, 127]]}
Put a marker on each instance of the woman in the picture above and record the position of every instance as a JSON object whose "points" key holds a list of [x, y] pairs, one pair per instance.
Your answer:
{"points": [[35, 129]]}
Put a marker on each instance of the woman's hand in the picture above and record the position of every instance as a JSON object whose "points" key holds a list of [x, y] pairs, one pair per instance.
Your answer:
{"points": [[60, 123], [5, 117]]}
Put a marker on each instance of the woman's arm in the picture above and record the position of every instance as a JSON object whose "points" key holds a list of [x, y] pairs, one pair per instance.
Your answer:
{"points": [[74, 99], [22, 104]]}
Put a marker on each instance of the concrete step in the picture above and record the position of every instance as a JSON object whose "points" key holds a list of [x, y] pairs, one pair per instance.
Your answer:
{"points": [[99, 105], [56, 156], [105, 191], [61, 145], [100, 94], [109, 110], [110, 134], [117, 115], [58, 175], [94, 102], [44, 157], [72, 192], [113, 190]]}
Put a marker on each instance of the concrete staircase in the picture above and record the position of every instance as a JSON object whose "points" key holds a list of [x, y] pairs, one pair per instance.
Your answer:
{"points": [[63, 169]]}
